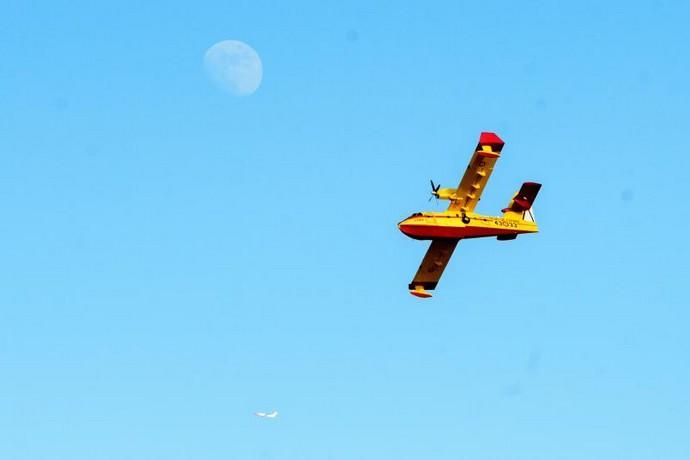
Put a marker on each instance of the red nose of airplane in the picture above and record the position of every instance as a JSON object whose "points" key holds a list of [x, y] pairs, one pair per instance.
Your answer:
{"points": [[404, 227], [411, 227]]}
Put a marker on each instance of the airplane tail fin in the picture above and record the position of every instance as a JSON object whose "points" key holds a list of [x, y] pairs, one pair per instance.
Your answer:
{"points": [[520, 206]]}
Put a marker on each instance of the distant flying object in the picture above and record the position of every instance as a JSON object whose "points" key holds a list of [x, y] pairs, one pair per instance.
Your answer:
{"points": [[445, 229], [273, 414]]}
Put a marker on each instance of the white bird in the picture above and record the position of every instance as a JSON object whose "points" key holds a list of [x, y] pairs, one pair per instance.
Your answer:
{"points": [[273, 414]]}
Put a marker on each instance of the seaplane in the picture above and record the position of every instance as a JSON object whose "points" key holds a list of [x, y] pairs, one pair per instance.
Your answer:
{"points": [[445, 229]]}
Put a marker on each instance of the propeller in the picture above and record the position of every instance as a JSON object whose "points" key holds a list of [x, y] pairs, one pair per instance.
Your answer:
{"points": [[434, 190]]}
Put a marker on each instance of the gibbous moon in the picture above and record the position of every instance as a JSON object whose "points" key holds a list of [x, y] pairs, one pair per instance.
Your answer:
{"points": [[234, 66]]}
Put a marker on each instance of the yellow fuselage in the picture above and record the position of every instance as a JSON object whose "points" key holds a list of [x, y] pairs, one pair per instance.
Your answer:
{"points": [[451, 224]]}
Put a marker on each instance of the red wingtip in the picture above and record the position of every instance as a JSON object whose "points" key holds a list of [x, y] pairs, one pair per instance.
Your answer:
{"points": [[487, 138]]}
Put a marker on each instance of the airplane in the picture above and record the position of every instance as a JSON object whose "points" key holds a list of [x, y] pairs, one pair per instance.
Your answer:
{"points": [[445, 229]]}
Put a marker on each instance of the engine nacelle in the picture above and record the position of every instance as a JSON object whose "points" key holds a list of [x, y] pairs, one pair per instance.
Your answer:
{"points": [[445, 193]]}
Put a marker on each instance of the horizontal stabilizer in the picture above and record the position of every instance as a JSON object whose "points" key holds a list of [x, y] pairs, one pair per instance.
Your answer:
{"points": [[525, 197]]}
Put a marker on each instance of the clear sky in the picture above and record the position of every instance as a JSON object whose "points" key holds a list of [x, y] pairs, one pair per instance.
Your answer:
{"points": [[175, 258]]}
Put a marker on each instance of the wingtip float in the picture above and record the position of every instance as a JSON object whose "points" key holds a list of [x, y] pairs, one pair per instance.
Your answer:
{"points": [[445, 229], [419, 291]]}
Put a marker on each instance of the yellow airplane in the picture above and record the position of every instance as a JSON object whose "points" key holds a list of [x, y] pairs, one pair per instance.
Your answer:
{"points": [[445, 229]]}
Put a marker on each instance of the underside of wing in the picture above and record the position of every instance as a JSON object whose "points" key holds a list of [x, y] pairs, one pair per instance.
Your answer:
{"points": [[432, 266], [477, 174]]}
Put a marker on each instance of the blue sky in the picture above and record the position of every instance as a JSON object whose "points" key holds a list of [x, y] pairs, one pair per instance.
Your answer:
{"points": [[175, 258]]}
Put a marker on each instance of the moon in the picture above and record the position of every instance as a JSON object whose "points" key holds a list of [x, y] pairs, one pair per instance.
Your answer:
{"points": [[234, 67]]}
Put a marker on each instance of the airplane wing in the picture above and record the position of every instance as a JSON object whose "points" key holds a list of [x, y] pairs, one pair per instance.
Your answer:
{"points": [[432, 266], [477, 174]]}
